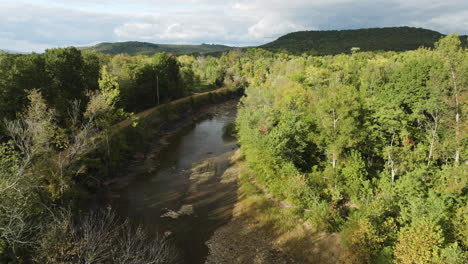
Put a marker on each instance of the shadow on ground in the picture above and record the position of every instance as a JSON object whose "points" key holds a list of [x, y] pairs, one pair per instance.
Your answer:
{"points": [[263, 232]]}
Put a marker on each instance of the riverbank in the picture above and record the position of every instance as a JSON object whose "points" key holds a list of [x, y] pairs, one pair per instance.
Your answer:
{"points": [[129, 141], [180, 187], [262, 230], [146, 159]]}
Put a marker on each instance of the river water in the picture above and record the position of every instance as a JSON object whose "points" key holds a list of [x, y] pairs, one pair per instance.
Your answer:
{"points": [[165, 195]]}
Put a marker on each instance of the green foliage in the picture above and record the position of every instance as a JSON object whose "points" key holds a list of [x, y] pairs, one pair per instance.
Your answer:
{"points": [[149, 49], [343, 41], [362, 239], [229, 129], [38, 166], [371, 143], [153, 81], [452, 254], [419, 242], [355, 174], [460, 221]]}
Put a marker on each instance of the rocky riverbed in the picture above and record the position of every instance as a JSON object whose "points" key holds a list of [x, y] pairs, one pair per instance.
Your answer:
{"points": [[178, 187]]}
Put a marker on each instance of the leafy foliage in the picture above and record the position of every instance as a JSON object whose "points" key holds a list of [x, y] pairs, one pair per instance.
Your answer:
{"points": [[372, 145], [346, 41], [378, 138], [149, 49]]}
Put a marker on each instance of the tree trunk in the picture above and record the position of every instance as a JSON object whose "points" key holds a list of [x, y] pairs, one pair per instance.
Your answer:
{"points": [[334, 156], [457, 117], [434, 133], [393, 170]]}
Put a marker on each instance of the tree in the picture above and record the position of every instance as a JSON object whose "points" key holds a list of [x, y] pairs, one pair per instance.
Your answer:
{"points": [[450, 51], [65, 70], [355, 175], [419, 243], [362, 240], [21, 185], [338, 110], [100, 237], [154, 81]]}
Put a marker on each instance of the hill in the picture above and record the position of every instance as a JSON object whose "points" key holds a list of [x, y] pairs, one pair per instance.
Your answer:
{"points": [[145, 48], [331, 42], [12, 51]]}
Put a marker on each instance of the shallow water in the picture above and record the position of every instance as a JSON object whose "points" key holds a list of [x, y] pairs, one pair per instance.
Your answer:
{"points": [[154, 192]]}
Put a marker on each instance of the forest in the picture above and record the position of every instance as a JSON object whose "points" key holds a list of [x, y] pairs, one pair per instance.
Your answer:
{"points": [[332, 42], [145, 48], [372, 144], [322, 42], [59, 144]]}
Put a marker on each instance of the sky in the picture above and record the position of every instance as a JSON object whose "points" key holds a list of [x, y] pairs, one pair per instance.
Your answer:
{"points": [[35, 25]]}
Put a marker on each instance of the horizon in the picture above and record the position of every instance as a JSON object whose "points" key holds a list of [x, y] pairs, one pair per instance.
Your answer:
{"points": [[204, 43], [36, 25]]}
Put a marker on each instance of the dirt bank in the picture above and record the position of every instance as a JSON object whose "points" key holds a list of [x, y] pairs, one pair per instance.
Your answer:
{"points": [[144, 161], [263, 231]]}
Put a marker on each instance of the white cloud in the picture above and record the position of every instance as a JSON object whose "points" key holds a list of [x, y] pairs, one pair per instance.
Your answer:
{"points": [[21, 45], [444, 22], [272, 26], [36, 24]]}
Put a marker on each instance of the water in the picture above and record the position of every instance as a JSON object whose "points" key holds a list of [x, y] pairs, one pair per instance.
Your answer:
{"points": [[155, 192]]}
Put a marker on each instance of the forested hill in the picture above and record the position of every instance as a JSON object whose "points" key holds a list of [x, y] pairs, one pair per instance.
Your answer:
{"points": [[327, 42], [145, 48], [332, 42]]}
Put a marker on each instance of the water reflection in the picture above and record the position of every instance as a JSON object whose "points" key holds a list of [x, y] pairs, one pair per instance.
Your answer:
{"points": [[169, 188]]}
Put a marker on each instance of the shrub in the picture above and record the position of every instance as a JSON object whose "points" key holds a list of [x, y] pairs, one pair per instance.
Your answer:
{"points": [[99, 237]]}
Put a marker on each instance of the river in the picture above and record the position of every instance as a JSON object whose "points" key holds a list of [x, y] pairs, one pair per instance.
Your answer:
{"points": [[181, 193]]}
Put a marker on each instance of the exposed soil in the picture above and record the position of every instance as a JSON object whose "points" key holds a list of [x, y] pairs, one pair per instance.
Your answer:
{"points": [[248, 238], [176, 187], [144, 161]]}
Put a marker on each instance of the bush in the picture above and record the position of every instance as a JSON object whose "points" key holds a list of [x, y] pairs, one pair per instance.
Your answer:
{"points": [[362, 241], [99, 237], [229, 129], [419, 242]]}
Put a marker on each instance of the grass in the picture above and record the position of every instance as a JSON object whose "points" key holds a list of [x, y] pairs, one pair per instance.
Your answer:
{"points": [[289, 228]]}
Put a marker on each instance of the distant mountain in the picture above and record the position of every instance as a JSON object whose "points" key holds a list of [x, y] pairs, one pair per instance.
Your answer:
{"points": [[331, 42], [145, 48], [12, 51]]}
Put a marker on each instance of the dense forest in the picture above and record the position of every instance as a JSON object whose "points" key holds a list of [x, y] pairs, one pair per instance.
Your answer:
{"points": [[323, 42], [65, 75], [372, 144], [145, 48], [58, 144], [331, 42]]}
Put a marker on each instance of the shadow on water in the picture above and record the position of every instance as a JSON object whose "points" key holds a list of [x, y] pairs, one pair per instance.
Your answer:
{"points": [[155, 192]]}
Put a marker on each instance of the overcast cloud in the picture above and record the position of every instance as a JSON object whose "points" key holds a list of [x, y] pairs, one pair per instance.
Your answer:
{"points": [[34, 25]]}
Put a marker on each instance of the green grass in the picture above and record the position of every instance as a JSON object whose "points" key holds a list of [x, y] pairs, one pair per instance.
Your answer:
{"points": [[290, 230]]}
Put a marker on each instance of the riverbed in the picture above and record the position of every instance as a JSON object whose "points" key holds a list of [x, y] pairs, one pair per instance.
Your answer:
{"points": [[181, 189]]}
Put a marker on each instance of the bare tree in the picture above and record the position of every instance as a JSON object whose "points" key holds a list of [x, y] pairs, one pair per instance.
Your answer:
{"points": [[100, 237]]}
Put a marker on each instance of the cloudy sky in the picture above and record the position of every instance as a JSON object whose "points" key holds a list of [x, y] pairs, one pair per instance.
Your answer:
{"points": [[34, 25]]}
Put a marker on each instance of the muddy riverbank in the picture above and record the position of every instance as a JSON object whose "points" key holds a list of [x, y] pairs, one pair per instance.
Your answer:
{"points": [[265, 231], [179, 186]]}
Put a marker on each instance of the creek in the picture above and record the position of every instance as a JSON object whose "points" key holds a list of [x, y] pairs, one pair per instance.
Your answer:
{"points": [[182, 192]]}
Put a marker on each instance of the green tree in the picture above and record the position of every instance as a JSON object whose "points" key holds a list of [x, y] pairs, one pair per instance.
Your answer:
{"points": [[449, 49], [362, 241], [419, 242]]}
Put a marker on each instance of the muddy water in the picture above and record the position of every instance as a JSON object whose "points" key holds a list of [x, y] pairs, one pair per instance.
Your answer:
{"points": [[166, 195]]}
